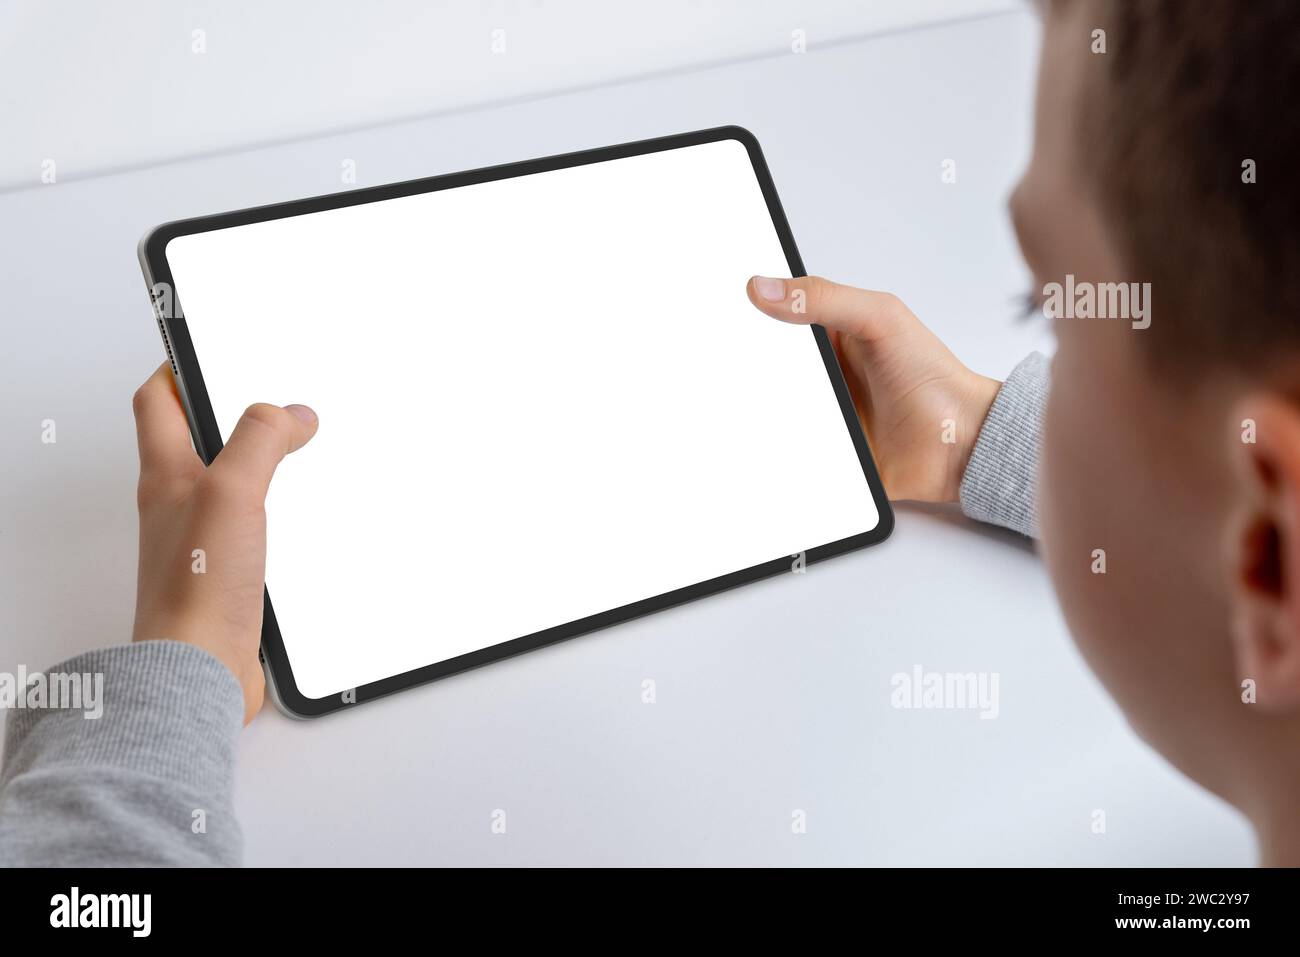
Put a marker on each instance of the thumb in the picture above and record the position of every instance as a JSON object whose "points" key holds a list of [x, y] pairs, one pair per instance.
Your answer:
{"points": [[264, 435], [855, 312]]}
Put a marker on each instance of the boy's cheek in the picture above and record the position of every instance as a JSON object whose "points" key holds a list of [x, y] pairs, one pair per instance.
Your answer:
{"points": [[1127, 509], [1074, 487], [1100, 525]]}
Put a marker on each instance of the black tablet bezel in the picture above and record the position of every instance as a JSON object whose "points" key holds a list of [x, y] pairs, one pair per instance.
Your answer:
{"points": [[207, 438]]}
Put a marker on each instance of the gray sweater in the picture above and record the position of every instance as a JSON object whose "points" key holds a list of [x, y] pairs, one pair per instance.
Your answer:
{"points": [[150, 780]]}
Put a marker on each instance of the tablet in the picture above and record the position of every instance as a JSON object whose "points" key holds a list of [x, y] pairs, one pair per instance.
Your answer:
{"points": [[546, 404]]}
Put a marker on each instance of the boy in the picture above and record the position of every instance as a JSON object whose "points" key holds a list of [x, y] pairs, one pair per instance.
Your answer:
{"points": [[1171, 443]]}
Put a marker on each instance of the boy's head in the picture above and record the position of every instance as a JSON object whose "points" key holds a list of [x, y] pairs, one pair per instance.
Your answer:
{"points": [[1170, 481]]}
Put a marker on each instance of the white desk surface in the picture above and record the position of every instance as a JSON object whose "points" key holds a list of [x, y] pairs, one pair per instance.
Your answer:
{"points": [[770, 698]]}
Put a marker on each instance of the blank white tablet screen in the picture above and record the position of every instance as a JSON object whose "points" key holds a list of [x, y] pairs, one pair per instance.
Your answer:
{"points": [[540, 398]]}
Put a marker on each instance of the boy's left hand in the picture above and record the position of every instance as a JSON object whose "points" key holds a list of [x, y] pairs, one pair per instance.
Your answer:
{"points": [[203, 530]]}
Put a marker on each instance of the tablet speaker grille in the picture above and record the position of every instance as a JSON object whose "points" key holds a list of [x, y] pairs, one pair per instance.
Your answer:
{"points": [[167, 342]]}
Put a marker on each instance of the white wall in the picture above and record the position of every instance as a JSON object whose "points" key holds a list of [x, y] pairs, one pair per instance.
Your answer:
{"points": [[105, 86]]}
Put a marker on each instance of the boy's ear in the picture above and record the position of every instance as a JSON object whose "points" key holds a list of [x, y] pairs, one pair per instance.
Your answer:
{"points": [[1264, 549]]}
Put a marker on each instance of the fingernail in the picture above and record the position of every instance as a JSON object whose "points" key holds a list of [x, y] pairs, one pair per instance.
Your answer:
{"points": [[302, 413], [773, 290]]}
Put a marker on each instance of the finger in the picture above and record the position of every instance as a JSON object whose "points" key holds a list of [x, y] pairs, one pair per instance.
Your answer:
{"points": [[161, 429], [264, 435], [856, 312]]}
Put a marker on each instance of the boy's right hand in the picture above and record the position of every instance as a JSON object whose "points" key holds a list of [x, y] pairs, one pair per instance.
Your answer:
{"points": [[920, 407]]}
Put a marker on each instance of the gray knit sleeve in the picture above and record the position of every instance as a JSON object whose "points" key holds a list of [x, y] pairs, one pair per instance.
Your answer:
{"points": [[999, 484], [148, 781]]}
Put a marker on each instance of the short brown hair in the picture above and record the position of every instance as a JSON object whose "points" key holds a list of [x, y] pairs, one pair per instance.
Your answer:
{"points": [[1190, 91]]}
